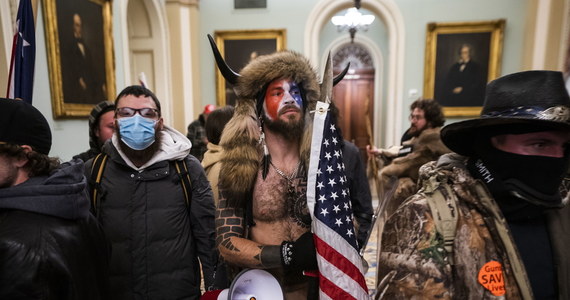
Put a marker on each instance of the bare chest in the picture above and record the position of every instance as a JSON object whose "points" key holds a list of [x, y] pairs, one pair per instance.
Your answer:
{"points": [[282, 203]]}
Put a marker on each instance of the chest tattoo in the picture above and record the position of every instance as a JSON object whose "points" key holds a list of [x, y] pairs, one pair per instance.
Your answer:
{"points": [[277, 198]]}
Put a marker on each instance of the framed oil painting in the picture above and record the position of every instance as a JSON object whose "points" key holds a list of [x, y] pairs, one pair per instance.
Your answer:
{"points": [[460, 58], [80, 55], [238, 47]]}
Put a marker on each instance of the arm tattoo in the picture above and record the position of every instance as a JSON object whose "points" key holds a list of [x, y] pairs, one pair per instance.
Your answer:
{"points": [[229, 223], [233, 244]]}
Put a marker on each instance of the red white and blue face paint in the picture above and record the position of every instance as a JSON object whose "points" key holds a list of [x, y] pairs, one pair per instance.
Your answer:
{"points": [[282, 96]]}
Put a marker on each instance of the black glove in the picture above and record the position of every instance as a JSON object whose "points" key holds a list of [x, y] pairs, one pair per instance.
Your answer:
{"points": [[299, 255]]}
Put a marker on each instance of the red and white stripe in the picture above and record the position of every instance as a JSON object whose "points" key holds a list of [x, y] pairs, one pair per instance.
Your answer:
{"points": [[341, 271], [340, 265]]}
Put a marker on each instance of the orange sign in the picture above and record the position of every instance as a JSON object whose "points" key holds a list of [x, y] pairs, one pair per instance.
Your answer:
{"points": [[491, 277]]}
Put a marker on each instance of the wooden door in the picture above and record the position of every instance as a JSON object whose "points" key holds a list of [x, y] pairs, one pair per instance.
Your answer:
{"points": [[354, 97]]}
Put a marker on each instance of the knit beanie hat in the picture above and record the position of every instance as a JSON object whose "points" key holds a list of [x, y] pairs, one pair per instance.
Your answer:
{"points": [[99, 109], [23, 124]]}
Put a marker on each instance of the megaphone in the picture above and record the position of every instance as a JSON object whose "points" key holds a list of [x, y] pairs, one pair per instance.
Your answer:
{"points": [[253, 284]]}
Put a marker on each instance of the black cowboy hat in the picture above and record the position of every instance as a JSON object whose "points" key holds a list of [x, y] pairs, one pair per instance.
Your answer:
{"points": [[521, 102]]}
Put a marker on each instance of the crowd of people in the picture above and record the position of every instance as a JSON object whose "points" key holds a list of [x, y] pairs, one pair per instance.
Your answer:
{"points": [[478, 211]]}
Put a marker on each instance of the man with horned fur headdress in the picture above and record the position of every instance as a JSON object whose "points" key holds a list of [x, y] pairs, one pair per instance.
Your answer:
{"points": [[262, 220]]}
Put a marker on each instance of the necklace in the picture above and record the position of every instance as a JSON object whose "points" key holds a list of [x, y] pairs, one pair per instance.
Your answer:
{"points": [[282, 174], [290, 184]]}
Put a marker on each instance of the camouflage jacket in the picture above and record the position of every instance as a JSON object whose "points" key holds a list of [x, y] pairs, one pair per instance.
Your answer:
{"points": [[413, 263]]}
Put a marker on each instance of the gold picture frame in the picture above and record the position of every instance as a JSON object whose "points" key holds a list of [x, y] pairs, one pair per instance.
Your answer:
{"points": [[81, 65], [238, 47], [458, 85]]}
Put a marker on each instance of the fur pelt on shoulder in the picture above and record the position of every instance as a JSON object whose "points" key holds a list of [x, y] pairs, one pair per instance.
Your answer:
{"points": [[240, 138], [426, 147]]}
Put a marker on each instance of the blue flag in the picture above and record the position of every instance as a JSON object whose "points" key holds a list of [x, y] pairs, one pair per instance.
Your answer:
{"points": [[21, 78]]}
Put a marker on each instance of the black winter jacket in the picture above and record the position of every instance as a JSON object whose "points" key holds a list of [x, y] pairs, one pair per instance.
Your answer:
{"points": [[360, 196], [51, 247], [157, 241]]}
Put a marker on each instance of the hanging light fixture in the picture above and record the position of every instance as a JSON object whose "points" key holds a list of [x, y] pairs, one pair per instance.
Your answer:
{"points": [[352, 21]]}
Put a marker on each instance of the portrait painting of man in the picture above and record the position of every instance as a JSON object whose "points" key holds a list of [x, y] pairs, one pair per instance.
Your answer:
{"points": [[460, 59], [80, 29], [80, 56], [462, 69]]}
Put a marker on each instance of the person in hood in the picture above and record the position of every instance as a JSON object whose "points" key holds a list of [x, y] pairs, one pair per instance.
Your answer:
{"points": [[101, 128], [197, 133], [159, 240], [51, 246], [489, 221]]}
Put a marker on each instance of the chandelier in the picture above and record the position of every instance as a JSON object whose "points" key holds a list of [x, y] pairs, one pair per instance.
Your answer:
{"points": [[352, 21]]}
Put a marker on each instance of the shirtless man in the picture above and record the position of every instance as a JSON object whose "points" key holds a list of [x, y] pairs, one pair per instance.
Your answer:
{"points": [[262, 220]]}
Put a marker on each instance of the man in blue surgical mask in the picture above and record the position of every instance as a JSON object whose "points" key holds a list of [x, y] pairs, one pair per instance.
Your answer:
{"points": [[161, 227]]}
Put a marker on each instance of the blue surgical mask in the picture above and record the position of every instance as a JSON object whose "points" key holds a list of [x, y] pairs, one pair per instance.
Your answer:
{"points": [[137, 131]]}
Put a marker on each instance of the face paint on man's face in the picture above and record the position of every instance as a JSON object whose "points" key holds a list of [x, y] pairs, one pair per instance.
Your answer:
{"points": [[282, 93]]}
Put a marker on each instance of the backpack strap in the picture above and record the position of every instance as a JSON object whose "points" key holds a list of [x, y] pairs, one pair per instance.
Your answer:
{"points": [[96, 174], [184, 175], [98, 166], [444, 211], [502, 229]]}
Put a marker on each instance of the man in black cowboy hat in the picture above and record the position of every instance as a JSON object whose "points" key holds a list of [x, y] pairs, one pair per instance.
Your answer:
{"points": [[489, 220]]}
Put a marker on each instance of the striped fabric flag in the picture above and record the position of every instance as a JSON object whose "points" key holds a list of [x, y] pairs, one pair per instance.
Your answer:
{"points": [[21, 76], [341, 272]]}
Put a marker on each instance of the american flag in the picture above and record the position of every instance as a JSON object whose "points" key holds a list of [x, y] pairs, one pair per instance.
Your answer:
{"points": [[21, 77], [341, 272]]}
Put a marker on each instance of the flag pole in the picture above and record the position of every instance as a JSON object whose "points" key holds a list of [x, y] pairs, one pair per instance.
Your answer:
{"points": [[341, 269], [35, 11]]}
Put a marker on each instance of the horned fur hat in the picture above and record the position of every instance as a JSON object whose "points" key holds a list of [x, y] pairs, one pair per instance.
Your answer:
{"points": [[240, 139]]}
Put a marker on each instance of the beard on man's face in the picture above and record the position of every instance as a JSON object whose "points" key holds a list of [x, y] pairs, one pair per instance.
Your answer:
{"points": [[291, 129], [9, 175], [144, 154], [415, 130]]}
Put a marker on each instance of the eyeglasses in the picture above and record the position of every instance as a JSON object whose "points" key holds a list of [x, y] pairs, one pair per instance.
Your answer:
{"points": [[415, 117], [144, 112]]}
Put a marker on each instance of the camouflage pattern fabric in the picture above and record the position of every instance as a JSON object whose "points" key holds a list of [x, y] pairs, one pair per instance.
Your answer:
{"points": [[413, 263]]}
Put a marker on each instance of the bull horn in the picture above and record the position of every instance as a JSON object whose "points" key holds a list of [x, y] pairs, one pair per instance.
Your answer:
{"points": [[340, 76], [230, 75]]}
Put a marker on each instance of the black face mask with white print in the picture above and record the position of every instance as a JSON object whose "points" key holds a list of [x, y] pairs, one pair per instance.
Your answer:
{"points": [[513, 177]]}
